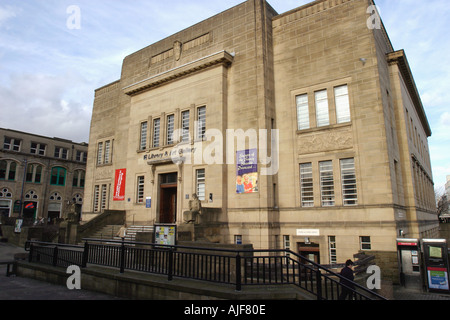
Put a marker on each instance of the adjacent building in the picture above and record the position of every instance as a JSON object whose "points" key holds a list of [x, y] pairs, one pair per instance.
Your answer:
{"points": [[300, 130], [40, 176]]}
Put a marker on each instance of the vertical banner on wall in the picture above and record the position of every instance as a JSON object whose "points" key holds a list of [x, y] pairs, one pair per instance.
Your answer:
{"points": [[247, 171], [119, 185]]}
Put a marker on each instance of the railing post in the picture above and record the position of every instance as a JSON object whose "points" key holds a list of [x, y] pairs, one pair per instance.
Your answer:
{"points": [[122, 256], [170, 271], [55, 256], [319, 284], [238, 272], [85, 255]]}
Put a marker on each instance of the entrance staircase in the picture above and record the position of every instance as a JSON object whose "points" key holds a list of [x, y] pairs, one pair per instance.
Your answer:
{"points": [[109, 232]]}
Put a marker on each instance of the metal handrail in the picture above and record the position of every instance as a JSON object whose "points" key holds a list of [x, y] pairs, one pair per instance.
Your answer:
{"points": [[173, 260]]}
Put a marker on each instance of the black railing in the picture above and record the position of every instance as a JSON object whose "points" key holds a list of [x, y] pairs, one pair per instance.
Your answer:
{"points": [[235, 267]]}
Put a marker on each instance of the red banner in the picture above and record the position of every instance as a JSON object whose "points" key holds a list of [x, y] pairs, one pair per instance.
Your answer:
{"points": [[119, 185]]}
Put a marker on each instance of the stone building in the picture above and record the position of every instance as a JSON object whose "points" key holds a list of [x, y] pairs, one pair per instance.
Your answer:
{"points": [[44, 174], [300, 130]]}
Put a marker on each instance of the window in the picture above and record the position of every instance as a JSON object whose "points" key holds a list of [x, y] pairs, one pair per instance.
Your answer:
{"points": [[326, 183], [143, 138], [107, 152], [140, 189], [348, 179], [8, 170], [58, 176], [31, 195], [34, 173], [61, 153], [306, 185], [332, 249], [238, 239], [302, 112], [96, 198], [170, 128], [81, 156], [201, 123], [104, 152], [156, 129], [342, 104], [322, 115], [185, 126], [104, 196], [365, 243], [78, 178], [5, 193], [37, 148], [11, 144], [200, 177], [55, 196], [100, 153]]}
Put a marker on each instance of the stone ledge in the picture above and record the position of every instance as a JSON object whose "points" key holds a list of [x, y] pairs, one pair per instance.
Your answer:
{"points": [[144, 286], [215, 59]]}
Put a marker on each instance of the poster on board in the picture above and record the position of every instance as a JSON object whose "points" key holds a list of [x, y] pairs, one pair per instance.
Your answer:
{"points": [[119, 185], [165, 234], [247, 171]]}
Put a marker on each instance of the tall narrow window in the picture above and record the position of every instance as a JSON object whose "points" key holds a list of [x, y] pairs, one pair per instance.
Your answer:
{"points": [[332, 249], [107, 152], [143, 139], [302, 112], [170, 127], [104, 196], [140, 189], [201, 123], [34, 172], [348, 179], [156, 129], [306, 185], [100, 153], [12, 171], [342, 104], [326, 183], [185, 125], [201, 184], [322, 115], [96, 198]]}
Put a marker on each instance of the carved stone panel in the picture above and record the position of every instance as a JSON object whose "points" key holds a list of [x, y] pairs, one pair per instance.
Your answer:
{"points": [[329, 140]]}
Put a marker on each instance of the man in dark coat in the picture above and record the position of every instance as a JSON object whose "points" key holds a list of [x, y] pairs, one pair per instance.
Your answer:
{"points": [[347, 274]]}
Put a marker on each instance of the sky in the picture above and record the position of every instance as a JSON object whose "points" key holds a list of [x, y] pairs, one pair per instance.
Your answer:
{"points": [[55, 53]]}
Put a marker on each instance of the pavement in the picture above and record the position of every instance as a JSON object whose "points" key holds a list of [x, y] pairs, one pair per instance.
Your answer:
{"points": [[19, 288]]}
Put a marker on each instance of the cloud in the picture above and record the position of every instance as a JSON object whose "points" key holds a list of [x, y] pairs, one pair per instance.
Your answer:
{"points": [[6, 13], [43, 104]]}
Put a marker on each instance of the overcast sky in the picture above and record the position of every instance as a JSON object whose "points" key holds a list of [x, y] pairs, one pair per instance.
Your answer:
{"points": [[49, 71]]}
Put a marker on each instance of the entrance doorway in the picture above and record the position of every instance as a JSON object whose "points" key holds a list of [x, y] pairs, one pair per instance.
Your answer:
{"points": [[168, 198], [29, 210], [310, 251]]}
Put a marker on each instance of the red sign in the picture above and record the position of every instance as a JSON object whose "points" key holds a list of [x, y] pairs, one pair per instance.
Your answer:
{"points": [[407, 243], [119, 185]]}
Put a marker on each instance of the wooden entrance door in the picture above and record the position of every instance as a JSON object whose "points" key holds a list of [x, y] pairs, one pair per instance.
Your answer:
{"points": [[168, 204], [309, 251]]}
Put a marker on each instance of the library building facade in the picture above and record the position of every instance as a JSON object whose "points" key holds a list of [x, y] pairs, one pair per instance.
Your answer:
{"points": [[301, 130]]}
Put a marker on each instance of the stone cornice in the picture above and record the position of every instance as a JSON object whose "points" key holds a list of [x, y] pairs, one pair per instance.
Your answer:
{"points": [[399, 58], [215, 59]]}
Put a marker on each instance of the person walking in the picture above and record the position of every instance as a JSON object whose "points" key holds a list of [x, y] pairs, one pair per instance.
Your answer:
{"points": [[347, 281], [122, 232]]}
